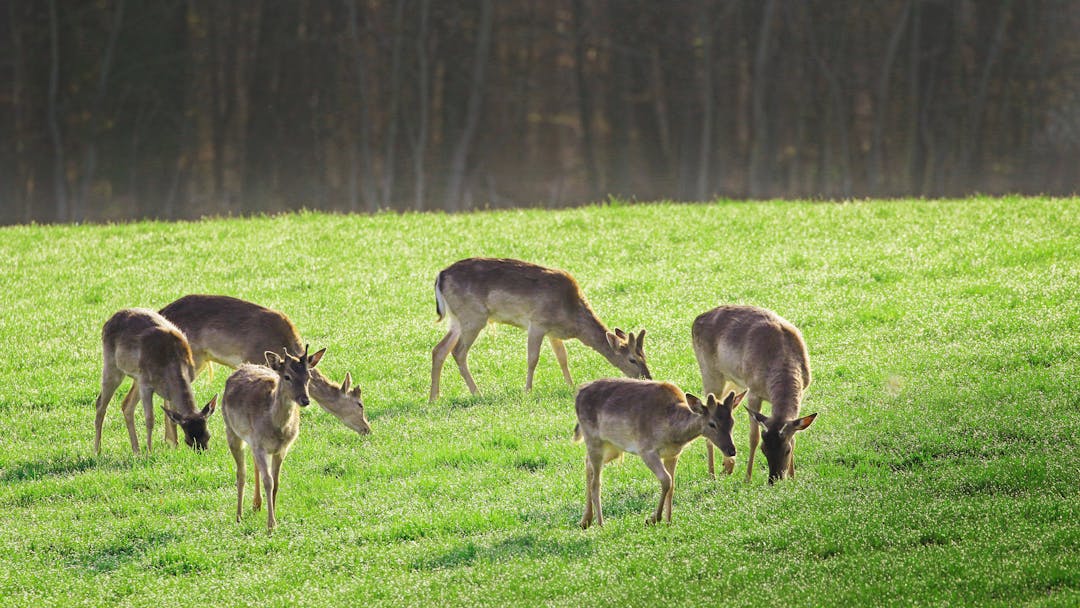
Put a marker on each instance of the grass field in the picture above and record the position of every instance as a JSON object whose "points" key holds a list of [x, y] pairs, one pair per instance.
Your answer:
{"points": [[942, 470]]}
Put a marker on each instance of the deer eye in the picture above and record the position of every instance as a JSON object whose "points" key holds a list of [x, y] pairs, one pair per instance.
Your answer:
{"points": [[633, 360], [712, 424], [287, 378]]}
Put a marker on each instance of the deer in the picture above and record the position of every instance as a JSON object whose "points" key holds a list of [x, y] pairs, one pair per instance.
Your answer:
{"points": [[231, 331], [756, 349], [546, 302], [141, 344], [261, 407], [654, 420]]}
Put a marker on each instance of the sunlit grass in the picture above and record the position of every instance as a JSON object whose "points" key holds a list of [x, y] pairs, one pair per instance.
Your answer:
{"points": [[944, 339]]}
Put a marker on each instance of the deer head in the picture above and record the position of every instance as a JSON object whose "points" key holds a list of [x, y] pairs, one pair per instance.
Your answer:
{"points": [[720, 418], [196, 434], [629, 353], [777, 441], [295, 373]]}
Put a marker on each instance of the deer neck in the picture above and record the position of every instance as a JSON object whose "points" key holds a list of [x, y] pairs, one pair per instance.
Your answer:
{"points": [[686, 426], [321, 388], [593, 333], [283, 409]]}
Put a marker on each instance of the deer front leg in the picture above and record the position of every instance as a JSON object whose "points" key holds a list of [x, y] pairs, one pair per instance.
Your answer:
{"points": [[669, 465], [146, 395], [536, 338], [559, 347], [656, 465], [262, 462], [753, 403], [170, 428]]}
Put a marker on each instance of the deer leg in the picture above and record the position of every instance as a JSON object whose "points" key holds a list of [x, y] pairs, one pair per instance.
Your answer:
{"points": [[262, 462], [791, 460], [753, 403], [536, 338], [170, 427], [559, 347], [461, 355], [256, 500], [715, 384], [656, 465], [669, 466], [587, 518], [236, 447], [128, 408], [146, 395], [438, 357], [596, 464], [110, 380], [275, 472]]}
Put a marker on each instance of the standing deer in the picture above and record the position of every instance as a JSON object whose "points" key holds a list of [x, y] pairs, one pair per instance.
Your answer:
{"points": [[231, 332], [755, 348], [543, 301], [261, 408], [144, 345], [655, 420]]}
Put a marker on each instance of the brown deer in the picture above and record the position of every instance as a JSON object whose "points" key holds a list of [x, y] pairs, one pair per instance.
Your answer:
{"points": [[654, 420], [230, 331], [543, 301], [144, 345], [261, 408], [756, 349]]}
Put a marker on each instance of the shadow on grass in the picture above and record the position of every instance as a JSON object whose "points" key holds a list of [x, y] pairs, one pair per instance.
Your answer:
{"points": [[111, 554], [522, 546], [60, 466]]}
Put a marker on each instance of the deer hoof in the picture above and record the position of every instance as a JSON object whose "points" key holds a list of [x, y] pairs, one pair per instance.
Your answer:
{"points": [[729, 465]]}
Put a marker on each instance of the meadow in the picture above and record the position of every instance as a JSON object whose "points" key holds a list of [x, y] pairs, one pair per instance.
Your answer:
{"points": [[942, 470]]}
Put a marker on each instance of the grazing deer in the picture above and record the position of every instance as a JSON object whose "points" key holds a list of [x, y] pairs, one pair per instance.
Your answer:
{"points": [[543, 301], [231, 332], [654, 420], [756, 349], [260, 408], [144, 345]]}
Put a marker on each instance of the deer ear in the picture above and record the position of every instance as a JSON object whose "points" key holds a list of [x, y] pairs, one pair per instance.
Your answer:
{"points": [[760, 418], [612, 340], [620, 333], [346, 382], [641, 342], [710, 401], [273, 360], [800, 424], [695, 404], [174, 416], [313, 360], [210, 408], [732, 400], [355, 392]]}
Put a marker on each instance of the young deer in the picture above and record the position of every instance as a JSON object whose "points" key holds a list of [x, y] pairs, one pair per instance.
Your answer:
{"points": [[231, 332], [260, 408], [654, 420], [142, 344], [543, 301], [756, 349]]}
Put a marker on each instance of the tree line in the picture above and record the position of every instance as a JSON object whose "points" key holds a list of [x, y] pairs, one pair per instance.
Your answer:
{"points": [[180, 108]]}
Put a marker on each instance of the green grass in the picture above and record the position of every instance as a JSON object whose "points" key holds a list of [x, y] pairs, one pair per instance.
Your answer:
{"points": [[943, 469]]}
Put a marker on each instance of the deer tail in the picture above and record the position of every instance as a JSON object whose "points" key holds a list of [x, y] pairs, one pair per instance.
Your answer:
{"points": [[578, 436], [440, 301]]}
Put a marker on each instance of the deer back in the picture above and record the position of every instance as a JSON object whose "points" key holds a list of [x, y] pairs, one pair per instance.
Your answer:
{"points": [[758, 349], [637, 415], [231, 331], [513, 292], [145, 345]]}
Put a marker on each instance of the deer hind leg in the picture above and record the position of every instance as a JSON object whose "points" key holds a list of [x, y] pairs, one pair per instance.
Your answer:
{"points": [[753, 403], [438, 357], [170, 427], [236, 447], [461, 354], [586, 519], [559, 347], [110, 380], [536, 339], [597, 457], [656, 465]]}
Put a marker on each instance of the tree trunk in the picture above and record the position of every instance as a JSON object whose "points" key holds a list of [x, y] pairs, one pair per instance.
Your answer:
{"points": [[362, 148], [761, 136], [704, 153], [460, 155], [877, 159], [393, 115], [423, 78], [60, 204], [584, 98]]}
